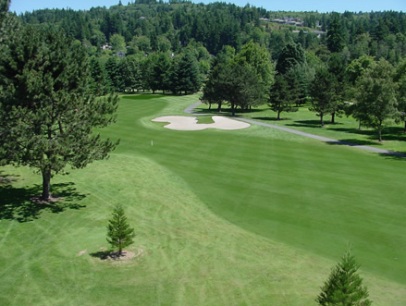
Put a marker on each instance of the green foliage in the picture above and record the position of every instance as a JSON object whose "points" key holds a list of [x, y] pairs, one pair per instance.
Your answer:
{"points": [[185, 75], [100, 84], [213, 91], [322, 92], [281, 97], [344, 285], [335, 34], [376, 96], [47, 110], [118, 44], [4, 5], [291, 55], [119, 232], [259, 59], [159, 65], [243, 79], [400, 79]]}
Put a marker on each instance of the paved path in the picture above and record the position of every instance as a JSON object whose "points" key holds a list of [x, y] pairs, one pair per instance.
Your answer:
{"points": [[190, 110]]}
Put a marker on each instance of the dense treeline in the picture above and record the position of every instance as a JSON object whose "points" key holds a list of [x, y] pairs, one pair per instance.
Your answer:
{"points": [[380, 34], [323, 61]]}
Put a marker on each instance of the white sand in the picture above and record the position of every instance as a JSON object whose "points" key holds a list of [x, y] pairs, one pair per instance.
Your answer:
{"points": [[183, 123]]}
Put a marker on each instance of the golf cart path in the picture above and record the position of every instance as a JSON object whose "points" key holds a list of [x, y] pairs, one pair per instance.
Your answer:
{"points": [[190, 110]]}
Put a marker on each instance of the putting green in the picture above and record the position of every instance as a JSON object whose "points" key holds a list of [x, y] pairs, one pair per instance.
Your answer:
{"points": [[247, 217]]}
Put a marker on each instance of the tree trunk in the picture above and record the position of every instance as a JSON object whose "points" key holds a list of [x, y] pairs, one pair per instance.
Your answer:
{"points": [[219, 108], [279, 116], [209, 105], [232, 109], [46, 184], [321, 120], [404, 130], [333, 116], [380, 132]]}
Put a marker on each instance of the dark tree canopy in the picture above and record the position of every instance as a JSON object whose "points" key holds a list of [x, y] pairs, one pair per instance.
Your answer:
{"points": [[322, 92], [281, 97], [335, 34], [344, 285], [47, 112], [243, 79], [291, 55]]}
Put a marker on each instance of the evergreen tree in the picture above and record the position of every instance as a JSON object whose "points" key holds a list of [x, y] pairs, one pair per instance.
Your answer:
{"points": [[281, 97], [213, 91], [185, 74], [100, 83], [158, 66], [322, 92], [241, 87], [344, 286], [115, 74], [47, 111], [119, 232], [400, 79], [335, 34], [4, 4]]}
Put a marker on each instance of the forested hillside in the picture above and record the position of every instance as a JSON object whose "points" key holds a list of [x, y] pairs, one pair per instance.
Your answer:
{"points": [[178, 46]]}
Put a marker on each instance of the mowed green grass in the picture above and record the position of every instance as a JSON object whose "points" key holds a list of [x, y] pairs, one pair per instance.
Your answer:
{"points": [[249, 217], [345, 128]]}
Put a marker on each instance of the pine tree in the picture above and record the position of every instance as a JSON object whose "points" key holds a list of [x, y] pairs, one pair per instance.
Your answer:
{"points": [[344, 285], [281, 96], [335, 34], [322, 92], [119, 232], [47, 111]]}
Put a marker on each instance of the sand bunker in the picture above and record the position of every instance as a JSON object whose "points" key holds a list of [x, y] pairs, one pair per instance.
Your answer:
{"points": [[190, 123]]}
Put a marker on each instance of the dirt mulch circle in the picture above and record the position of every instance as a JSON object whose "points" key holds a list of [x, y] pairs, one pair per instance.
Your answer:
{"points": [[114, 256]]}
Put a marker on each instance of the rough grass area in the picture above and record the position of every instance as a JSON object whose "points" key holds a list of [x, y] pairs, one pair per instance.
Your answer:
{"points": [[248, 217]]}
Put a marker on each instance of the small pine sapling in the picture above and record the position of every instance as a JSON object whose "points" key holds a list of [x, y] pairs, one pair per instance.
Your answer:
{"points": [[344, 285], [119, 232]]}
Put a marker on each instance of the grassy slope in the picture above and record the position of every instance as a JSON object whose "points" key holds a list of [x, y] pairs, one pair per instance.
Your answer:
{"points": [[306, 200]]}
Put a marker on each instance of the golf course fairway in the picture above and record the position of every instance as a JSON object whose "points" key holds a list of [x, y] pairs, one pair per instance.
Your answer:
{"points": [[247, 217]]}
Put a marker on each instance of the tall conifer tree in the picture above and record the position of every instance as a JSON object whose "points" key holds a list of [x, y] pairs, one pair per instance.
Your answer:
{"points": [[47, 111]]}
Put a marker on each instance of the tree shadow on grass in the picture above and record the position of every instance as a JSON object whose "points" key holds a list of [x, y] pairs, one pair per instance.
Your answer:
{"points": [[103, 255], [224, 111], [389, 133], [306, 123], [270, 119], [352, 142], [20, 204], [143, 96], [7, 179], [394, 155]]}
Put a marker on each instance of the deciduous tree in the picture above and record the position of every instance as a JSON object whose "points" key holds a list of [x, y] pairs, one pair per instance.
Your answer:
{"points": [[376, 96]]}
